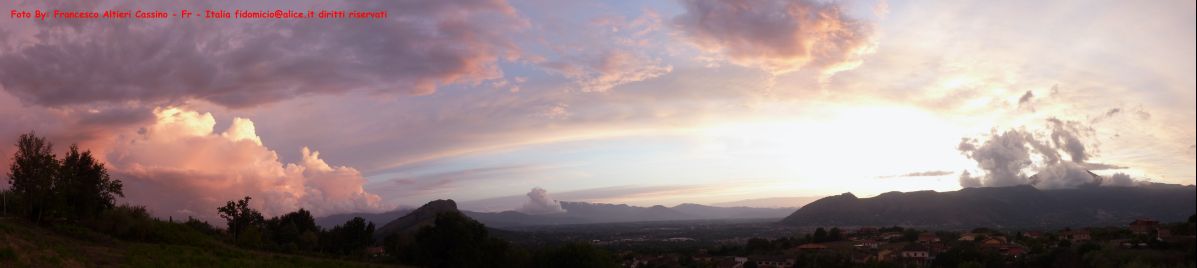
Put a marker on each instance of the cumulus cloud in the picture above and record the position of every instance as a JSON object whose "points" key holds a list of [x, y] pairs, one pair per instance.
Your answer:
{"points": [[421, 46], [1064, 135], [539, 202], [179, 166], [1121, 179], [776, 35], [967, 180], [1006, 157], [1003, 157], [1064, 175]]}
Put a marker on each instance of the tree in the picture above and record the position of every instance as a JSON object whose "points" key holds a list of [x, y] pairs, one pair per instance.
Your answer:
{"points": [[83, 186], [239, 216], [77, 187], [352, 237], [820, 235], [836, 234], [31, 175], [289, 229], [455, 240]]}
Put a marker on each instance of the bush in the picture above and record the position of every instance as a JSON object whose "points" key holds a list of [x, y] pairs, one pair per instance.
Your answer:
{"points": [[251, 237], [202, 227], [8, 254], [135, 224]]}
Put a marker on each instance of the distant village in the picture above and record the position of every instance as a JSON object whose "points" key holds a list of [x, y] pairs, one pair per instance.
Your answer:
{"points": [[1142, 243]]}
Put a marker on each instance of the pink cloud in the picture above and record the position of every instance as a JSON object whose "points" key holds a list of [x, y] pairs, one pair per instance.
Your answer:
{"points": [[179, 166], [611, 69], [611, 52], [775, 35]]}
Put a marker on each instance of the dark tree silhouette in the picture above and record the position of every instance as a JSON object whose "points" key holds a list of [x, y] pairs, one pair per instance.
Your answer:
{"points": [[83, 186], [77, 187], [240, 216], [31, 175], [455, 240], [352, 237], [820, 235], [835, 234], [295, 230]]}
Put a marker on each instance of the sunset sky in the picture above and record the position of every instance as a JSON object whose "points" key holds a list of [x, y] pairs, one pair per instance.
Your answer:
{"points": [[637, 102]]}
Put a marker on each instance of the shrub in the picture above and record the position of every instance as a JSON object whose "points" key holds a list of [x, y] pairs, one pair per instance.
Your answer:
{"points": [[8, 254]]}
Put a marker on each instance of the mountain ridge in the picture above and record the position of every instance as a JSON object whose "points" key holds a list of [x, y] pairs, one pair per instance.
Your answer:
{"points": [[575, 213], [1016, 206], [380, 218]]}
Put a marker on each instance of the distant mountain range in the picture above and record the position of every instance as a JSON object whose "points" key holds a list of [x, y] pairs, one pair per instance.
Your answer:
{"points": [[771, 202], [329, 221], [997, 207], [1003, 207], [584, 213], [575, 213]]}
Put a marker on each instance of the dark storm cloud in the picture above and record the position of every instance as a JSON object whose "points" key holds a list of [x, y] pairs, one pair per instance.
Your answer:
{"points": [[421, 46], [115, 116]]}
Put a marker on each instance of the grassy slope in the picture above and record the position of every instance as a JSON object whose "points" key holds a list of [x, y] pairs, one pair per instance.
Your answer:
{"points": [[24, 245]]}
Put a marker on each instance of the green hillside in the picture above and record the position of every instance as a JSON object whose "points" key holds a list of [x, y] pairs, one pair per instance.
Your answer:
{"points": [[23, 244]]}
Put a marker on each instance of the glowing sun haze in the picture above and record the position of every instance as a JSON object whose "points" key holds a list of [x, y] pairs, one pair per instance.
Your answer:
{"points": [[638, 102]]}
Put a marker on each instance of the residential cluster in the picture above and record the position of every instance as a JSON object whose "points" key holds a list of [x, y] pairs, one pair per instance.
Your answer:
{"points": [[1143, 241]]}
